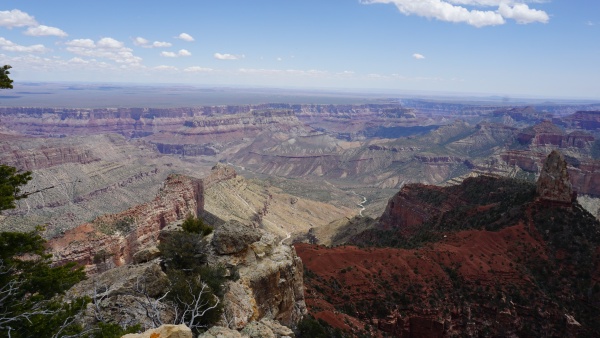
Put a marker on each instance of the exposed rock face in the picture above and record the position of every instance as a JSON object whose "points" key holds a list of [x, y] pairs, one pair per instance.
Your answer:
{"points": [[119, 294], [164, 331], [547, 133], [220, 332], [25, 154], [553, 183], [120, 236], [233, 237], [589, 120], [270, 280], [404, 210]]}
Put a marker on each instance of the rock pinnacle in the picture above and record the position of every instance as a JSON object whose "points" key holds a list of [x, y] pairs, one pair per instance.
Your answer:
{"points": [[553, 183]]}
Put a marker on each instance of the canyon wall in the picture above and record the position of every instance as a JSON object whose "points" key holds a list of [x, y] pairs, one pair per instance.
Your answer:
{"points": [[117, 237]]}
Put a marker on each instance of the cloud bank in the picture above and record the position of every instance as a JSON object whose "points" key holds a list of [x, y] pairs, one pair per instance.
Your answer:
{"points": [[469, 11], [107, 48], [13, 47]]}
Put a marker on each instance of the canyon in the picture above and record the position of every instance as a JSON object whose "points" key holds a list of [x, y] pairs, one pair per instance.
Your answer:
{"points": [[390, 185]]}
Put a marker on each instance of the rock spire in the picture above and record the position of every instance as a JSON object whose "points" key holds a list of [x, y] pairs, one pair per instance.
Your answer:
{"points": [[553, 183]]}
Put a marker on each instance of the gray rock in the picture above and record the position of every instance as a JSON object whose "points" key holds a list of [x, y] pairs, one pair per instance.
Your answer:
{"points": [[279, 330], [119, 295], [146, 255], [553, 183], [220, 332], [234, 237], [258, 330], [164, 331]]}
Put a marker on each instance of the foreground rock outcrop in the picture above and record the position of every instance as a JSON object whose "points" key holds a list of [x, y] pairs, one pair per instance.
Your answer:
{"points": [[270, 276], [264, 291], [164, 331]]}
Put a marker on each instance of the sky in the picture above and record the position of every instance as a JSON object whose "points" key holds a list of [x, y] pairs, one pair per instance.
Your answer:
{"points": [[525, 48]]}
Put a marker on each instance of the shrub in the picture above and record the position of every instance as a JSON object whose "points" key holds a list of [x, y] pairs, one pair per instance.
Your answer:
{"points": [[196, 226]]}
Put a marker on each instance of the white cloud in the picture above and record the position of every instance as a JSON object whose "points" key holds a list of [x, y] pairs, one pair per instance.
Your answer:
{"points": [[13, 47], [81, 43], [184, 52], [168, 54], [462, 11], [418, 56], [185, 37], [16, 18], [590, 23], [226, 56], [279, 59], [196, 69], [522, 14], [77, 60], [106, 48], [140, 41], [42, 30], [166, 68], [161, 44], [109, 43]]}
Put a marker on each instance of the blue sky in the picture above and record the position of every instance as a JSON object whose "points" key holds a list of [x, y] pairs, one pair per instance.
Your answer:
{"points": [[531, 48]]}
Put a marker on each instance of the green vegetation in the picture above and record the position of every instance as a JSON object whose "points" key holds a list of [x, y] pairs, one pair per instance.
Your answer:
{"points": [[5, 81], [309, 327], [10, 186], [31, 289], [196, 288], [196, 226]]}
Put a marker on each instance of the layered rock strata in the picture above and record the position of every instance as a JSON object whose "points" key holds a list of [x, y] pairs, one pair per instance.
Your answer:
{"points": [[118, 237]]}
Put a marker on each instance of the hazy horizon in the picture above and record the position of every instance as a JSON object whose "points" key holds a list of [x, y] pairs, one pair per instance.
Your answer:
{"points": [[506, 48], [123, 95]]}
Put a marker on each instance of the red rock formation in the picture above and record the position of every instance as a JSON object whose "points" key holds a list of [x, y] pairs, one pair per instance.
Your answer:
{"points": [[117, 237], [403, 211]]}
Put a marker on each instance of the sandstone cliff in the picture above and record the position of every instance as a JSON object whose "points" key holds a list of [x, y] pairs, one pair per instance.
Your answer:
{"points": [[117, 237]]}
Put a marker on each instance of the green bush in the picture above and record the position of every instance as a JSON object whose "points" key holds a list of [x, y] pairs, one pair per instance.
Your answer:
{"points": [[196, 226], [30, 289]]}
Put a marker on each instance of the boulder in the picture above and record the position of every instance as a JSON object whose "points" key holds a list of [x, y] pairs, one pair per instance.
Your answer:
{"points": [[258, 330], [164, 331], [146, 255], [220, 332], [234, 237]]}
